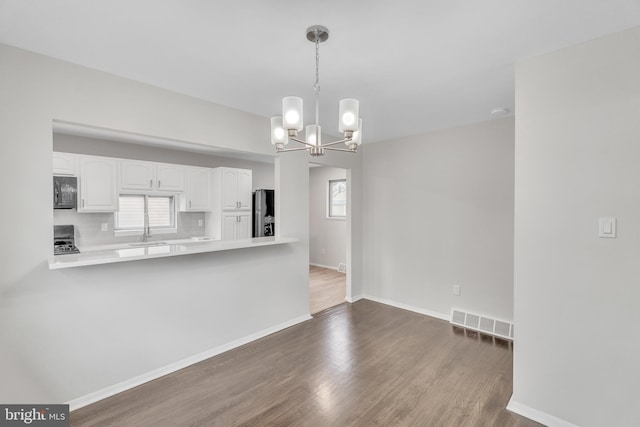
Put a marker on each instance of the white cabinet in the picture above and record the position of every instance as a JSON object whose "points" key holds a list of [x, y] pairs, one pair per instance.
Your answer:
{"points": [[244, 226], [139, 175], [245, 188], [136, 175], [197, 195], [64, 164], [232, 201], [229, 188], [235, 188], [236, 225], [169, 177], [97, 184]]}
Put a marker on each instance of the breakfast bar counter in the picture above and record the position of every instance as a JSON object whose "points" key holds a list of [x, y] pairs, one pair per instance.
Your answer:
{"points": [[141, 251]]}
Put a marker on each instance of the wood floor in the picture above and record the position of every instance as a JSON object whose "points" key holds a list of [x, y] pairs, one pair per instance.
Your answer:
{"points": [[361, 364], [326, 288]]}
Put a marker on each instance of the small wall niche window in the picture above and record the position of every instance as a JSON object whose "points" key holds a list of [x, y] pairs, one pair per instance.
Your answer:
{"points": [[161, 211], [337, 200]]}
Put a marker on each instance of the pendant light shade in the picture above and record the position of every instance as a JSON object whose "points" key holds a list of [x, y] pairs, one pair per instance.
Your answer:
{"points": [[292, 113], [349, 115], [278, 134]]}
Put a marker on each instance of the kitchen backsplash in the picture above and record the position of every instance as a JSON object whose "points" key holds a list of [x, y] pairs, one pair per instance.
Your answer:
{"points": [[88, 227]]}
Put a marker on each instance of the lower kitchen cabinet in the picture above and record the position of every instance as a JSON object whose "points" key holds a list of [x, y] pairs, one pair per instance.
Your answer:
{"points": [[236, 225]]}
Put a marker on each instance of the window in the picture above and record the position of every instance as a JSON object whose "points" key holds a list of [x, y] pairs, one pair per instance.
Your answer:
{"points": [[161, 211], [337, 206]]}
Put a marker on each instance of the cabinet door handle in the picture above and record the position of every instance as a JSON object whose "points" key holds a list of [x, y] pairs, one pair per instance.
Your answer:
{"points": [[150, 183], [83, 203], [189, 203], [159, 183]]}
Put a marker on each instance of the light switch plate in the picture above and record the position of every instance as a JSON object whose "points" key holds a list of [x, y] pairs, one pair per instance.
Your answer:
{"points": [[105, 226], [607, 228]]}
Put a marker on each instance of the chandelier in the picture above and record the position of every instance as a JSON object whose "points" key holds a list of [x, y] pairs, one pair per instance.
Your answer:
{"points": [[285, 128]]}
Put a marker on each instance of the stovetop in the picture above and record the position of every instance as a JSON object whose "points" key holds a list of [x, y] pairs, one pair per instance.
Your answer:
{"points": [[64, 240], [62, 247]]}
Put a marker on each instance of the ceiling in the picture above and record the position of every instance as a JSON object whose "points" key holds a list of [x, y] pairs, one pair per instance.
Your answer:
{"points": [[415, 65]]}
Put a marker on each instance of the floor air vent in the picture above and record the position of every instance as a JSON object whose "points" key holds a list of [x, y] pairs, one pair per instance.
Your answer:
{"points": [[483, 324]]}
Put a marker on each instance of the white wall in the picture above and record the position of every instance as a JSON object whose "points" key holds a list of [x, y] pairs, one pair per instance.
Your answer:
{"points": [[327, 236], [438, 212], [576, 295], [67, 333]]}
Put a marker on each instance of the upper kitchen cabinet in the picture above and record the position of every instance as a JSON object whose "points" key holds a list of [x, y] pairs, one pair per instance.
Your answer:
{"points": [[170, 177], [139, 175], [197, 195], [234, 188], [136, 175], [64, 164], [97, 184]]}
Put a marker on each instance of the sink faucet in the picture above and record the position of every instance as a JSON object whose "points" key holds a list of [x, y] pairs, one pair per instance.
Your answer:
{"points": [[146, 234], [147, 230]]}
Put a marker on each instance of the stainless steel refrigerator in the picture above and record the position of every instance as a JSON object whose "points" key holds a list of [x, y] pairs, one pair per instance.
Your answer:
{"points": [[264, 213]]}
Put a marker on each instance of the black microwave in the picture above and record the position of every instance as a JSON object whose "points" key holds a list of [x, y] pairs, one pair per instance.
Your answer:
{"points": [[65, 192]]}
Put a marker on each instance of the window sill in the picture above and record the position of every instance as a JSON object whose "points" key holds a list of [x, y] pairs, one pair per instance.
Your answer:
{"points": [[336, 218], [154, 232]]}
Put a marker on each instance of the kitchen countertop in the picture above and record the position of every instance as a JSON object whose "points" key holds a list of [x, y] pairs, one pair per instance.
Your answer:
{"points": [[139, 251]]}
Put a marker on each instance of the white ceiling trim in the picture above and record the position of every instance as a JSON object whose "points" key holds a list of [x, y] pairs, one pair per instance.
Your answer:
{"points": [[88, 131]]}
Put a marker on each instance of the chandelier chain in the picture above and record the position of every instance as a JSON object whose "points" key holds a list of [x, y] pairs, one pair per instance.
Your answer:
{"points": [[316, 86]]}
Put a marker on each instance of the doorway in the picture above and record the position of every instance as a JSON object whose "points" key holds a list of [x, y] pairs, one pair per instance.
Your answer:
{"points": [[328, 237]]}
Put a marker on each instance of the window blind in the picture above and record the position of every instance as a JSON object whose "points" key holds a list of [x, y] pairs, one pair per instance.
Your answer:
{"points": [[160, 211], [132, 208], [131, 212]]}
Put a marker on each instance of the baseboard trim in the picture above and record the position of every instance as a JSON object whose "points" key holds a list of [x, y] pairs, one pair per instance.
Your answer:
{"points": [[325, 266], [353, 299], [176, 366], [538, 416], [415, 309]]}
